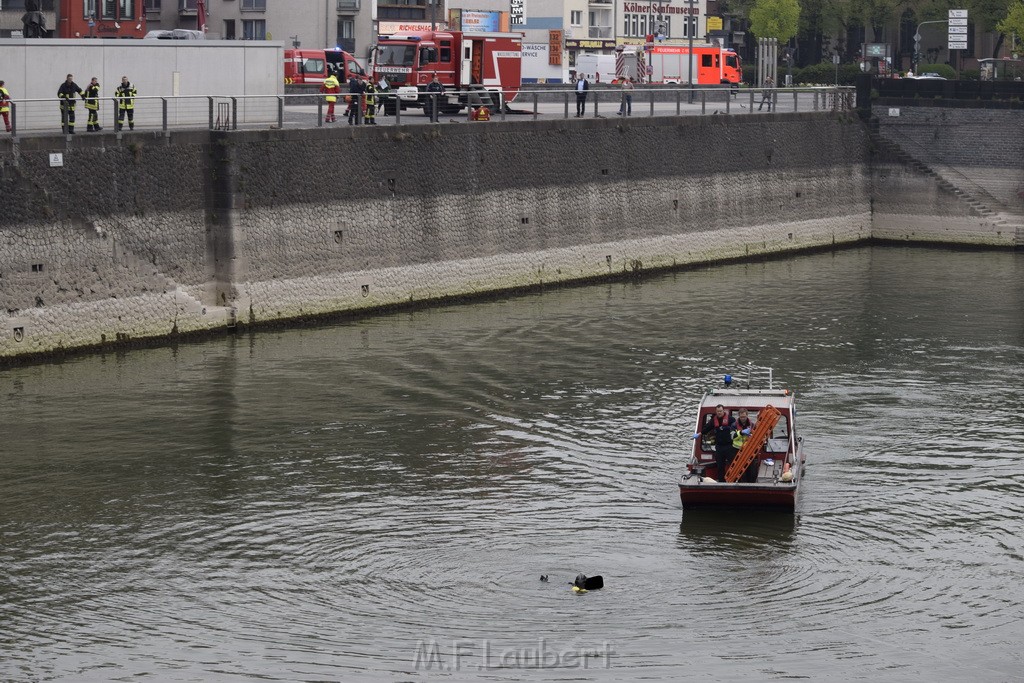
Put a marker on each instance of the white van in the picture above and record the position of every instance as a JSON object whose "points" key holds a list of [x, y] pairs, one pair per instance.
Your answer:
{"points": [[598, 68]]}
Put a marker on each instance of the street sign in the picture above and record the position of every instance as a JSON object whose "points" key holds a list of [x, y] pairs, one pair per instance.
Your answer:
{"points": [[958, 45], [957, 29], [954, 21], [957, 14]]}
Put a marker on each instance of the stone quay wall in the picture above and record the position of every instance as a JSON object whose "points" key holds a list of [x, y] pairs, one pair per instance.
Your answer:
{"points": [[948, 174], [150, 237]]}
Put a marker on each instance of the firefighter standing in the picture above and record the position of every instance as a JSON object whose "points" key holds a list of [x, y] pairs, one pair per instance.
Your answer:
{"points": [[66, 94], [355, 97], [331, 87], [5, 106], [92, 105], [125, 95], [371, 103]]}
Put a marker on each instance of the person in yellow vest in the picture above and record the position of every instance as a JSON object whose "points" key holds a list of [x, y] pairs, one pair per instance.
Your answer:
{"points": [[92, 105], [5, 106], [125, 95], [744, 427], [331, 88], [371, 103]]}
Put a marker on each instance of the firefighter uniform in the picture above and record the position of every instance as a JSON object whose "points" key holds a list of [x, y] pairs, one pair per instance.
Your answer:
{"points": [[125, 95], [92, 105], [331, 87], [371, 104], [66, 94], [5, 106]]}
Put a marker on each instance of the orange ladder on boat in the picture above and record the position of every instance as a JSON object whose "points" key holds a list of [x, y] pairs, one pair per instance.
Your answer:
{"points": [[766, 420]]}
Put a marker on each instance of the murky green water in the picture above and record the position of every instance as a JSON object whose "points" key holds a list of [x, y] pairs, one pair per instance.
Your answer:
{"points": [[377, 500]]}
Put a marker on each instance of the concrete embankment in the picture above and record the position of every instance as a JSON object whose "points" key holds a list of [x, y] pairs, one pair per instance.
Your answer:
{"points": [[150, 237]]}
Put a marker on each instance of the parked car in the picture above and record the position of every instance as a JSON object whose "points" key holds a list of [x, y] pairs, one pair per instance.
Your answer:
{"points": [[930, 77]]}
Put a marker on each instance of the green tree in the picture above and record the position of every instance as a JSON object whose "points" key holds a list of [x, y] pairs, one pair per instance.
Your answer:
{"points": [[1014, 20], [775, 19]]}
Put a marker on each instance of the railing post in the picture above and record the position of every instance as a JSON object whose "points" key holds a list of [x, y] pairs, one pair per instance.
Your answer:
{"points": [[398, 110], [501, 104], [703, 102], [651, 90], [751, 101], [796, 101], [728, 102], [535, 101], [14, 119], [234, 113], [320, 112], [211, 112], [679, 101], [163, 113], [597, 96], [280, 111], [566, 104]]}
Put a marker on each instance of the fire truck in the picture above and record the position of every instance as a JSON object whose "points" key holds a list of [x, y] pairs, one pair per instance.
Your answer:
{"points": [[313, 66], [711, 65], [472, 67]]}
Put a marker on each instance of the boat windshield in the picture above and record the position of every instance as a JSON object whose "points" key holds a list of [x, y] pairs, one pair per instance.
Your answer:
{"points": [[396, 55]]}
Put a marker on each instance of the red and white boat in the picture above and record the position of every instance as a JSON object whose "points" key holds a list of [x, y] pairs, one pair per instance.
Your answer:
{"points": [[772, 457]]}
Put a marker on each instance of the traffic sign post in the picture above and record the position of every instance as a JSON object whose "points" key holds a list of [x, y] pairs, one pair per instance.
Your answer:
{"points": [[956, 35]]}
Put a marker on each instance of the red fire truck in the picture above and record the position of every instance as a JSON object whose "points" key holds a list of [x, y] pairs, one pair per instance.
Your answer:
{"points": [[711, 65], [313, 66], [472, 67]]}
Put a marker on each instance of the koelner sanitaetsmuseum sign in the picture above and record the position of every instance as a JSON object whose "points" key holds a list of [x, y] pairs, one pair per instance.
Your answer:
{"points": [[641, 8]]}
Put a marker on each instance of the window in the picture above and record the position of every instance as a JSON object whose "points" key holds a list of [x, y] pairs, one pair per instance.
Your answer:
{"points": [[89, 8], [705, 60], [446, 51], [254, 6], [313, 66], [126, 9], [109, 9], [229, 29], [347, 28], [153, 5], [397, 55], [576, 18], [254, 29]]}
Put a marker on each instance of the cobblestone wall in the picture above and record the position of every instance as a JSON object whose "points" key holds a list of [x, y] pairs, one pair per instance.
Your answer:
{"points": [[148, 238]]}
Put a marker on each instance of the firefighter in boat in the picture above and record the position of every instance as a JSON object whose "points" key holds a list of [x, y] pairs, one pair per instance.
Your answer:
{"points": [[722, 425], [744, 426]]}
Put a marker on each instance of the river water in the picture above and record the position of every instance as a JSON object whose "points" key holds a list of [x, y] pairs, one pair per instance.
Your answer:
{"points": [[378, 499]]}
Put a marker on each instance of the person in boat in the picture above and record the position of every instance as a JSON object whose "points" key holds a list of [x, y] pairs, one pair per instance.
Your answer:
{"points": [[744, 427], [722, 424]]}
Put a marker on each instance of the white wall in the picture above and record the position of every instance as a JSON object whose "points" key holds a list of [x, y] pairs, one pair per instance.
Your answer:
{"points": [[34, 69]]}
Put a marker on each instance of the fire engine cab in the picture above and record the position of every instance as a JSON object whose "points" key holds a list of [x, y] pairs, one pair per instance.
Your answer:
{"points": [[472, 67]]}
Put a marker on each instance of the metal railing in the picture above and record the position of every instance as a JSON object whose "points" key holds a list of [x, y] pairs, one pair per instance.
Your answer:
{"points": [[164, 114]]}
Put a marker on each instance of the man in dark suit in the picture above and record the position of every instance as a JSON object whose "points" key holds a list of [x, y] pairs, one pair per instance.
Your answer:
{"points": [[582, 86]]}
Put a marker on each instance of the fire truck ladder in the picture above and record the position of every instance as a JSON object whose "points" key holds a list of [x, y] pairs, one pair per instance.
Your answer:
{"points": [[766, 420]]}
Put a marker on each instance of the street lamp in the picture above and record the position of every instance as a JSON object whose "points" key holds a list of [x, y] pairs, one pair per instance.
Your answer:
{"points": [[691, 28]]}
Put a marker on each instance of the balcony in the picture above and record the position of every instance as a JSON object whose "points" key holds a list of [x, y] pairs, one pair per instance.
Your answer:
{"points": [[601, 3], [348, 5], [600, 32]]}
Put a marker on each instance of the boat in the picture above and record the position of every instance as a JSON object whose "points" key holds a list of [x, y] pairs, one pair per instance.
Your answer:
{"points": [[767, 470]]}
